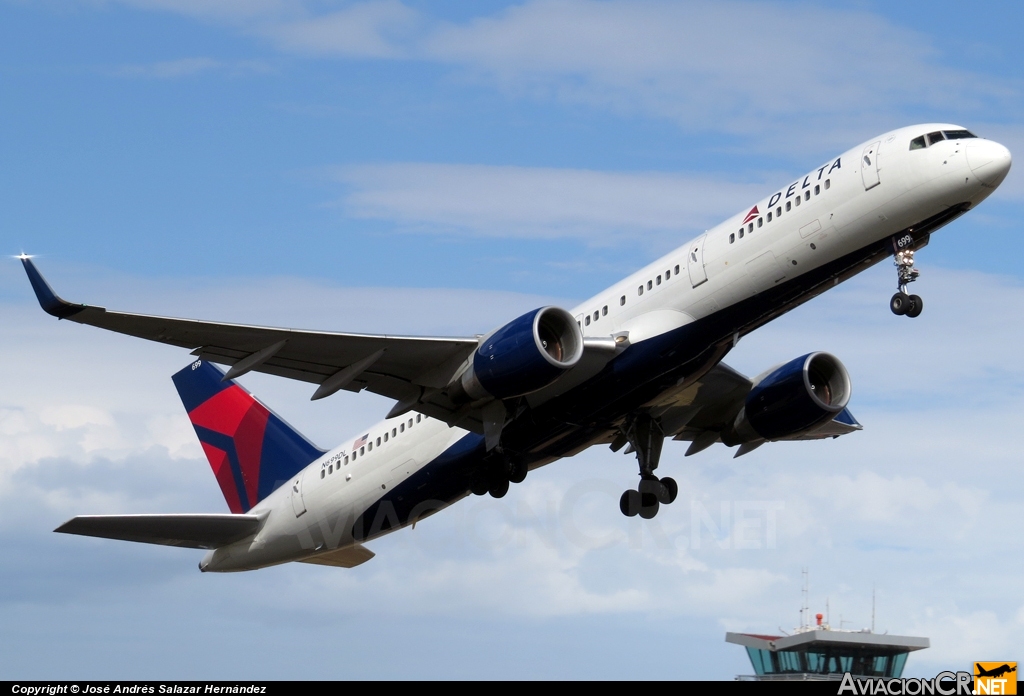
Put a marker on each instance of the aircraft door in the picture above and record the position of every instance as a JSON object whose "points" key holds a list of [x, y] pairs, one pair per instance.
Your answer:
{"points": [[695, 261], [298, 503], [869, 165]]}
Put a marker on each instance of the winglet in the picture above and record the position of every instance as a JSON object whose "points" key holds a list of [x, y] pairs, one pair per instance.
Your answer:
{"points": [[48, 299]]}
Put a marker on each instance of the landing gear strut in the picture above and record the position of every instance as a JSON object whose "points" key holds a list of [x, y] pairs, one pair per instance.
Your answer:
{"points": [[902, 303], [646, 438]]}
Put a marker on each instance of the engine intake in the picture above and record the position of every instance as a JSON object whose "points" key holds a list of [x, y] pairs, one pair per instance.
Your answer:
{"points": [[794, 398], [521, 357]]}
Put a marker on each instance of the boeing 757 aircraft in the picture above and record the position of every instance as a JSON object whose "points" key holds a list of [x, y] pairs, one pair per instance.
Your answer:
{"points": [[637, 363]]}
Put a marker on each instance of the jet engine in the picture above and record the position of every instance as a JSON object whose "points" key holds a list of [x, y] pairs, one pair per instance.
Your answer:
{"points": [[521, 357], [794, 398]]}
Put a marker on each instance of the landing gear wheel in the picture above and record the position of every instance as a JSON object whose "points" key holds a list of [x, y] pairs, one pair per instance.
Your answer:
{"points": [[900, 303], [517, 471], [672, 488], [653, 489], [478, 486], [916, 306], [650, 506], [499, 488], [629, 503]]}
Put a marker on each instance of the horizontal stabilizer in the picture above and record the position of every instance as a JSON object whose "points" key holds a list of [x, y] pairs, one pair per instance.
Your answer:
{"points": [[343, 558], [186, 530]]}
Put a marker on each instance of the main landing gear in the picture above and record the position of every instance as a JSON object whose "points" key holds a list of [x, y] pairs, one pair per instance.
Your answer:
{"points": [[496, 476], [646, 438], [902, 303]]}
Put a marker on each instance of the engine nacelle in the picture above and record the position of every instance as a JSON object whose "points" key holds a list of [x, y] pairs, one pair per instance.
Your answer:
{"points": [[521, 357], [794, 398]]}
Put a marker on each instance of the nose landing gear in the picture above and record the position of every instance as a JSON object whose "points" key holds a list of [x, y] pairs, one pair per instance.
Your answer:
{"points": [[646, 437], [902, 303]]}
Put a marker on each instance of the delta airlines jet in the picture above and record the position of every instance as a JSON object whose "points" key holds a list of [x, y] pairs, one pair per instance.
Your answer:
{"points": [[633, 365]]}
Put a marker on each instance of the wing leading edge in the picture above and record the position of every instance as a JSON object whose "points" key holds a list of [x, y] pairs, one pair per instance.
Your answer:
{"points": [[410, 369]]}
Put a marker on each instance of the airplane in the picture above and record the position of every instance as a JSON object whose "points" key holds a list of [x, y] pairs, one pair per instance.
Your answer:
{"points": [[639, 362], [995, 672]]}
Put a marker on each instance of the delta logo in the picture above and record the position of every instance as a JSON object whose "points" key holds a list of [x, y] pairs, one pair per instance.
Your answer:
{"points": [[995, 678], [751, 215]]}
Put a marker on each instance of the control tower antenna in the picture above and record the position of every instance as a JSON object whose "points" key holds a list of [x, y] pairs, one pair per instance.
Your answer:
{"points": [[872, 608], [805, 609]]}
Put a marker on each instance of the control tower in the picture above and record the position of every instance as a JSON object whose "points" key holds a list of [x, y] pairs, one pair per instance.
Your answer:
{"points": [[818, 651]]}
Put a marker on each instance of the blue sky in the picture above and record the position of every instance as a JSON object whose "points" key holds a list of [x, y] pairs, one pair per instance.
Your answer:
{"points": [[415, 168]]}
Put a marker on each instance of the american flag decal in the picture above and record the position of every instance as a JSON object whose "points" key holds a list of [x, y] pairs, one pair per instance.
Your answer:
{"points": [[360, 442]]}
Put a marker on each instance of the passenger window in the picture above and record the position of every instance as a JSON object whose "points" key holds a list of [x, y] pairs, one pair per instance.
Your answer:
{"points": [[322, 474], [828, 184], [419, 417], [917, 143], [410, 422], [401, 428], [604, 311], [640, 290], [769, 216], [649, 285], [760, 222], [935, 137], [369, 446], [817, 189], [622, 301], [378, 442], [750, 228], [362, 450], [346, 461], [394, 431], [385, 437], [732, 237], [330, 469], [677, 270], [586, 320], [668, 274], [659, 279], [596, 315], [778, 211], [789, 206], [807, 195], [797, 199]]}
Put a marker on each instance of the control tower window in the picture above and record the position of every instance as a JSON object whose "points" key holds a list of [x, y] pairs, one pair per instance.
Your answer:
{"points": [[917, 143]]}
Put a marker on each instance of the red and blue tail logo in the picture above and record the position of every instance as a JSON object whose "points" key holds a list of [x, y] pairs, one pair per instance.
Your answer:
{"points": [[251, 450]]}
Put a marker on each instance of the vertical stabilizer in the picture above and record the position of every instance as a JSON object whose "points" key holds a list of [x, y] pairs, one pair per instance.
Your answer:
{"points": [[251, 450]]}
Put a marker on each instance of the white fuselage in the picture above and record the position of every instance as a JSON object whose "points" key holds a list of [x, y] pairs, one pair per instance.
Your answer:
{"points": [[869, 193]]}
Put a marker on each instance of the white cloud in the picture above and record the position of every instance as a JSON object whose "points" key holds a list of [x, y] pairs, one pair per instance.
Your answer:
{"points": [[187, 67], [365, 30], [730, 67], [540, 202]]}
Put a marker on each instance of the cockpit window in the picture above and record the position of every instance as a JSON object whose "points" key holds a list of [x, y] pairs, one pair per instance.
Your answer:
{"points": [[917, 143], [935, 137], [958, 134]]}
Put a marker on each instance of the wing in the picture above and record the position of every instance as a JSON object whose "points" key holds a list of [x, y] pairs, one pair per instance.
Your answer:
{"points": [[188, 531], [700, 411], [409, 369]]}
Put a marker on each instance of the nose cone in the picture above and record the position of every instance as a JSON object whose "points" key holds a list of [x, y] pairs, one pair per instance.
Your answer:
{"points": [[989, 161]]}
